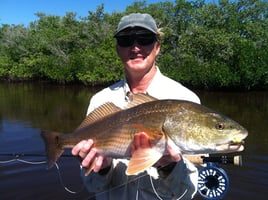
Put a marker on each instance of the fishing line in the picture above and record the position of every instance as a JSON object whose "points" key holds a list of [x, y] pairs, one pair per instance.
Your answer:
{"points": [[123, 184], [63, 185], [137, 193], [158, 196], [17, 159]]}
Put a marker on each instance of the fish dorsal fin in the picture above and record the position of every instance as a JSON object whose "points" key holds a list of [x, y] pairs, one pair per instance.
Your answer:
{"points": [[137, 99], [99, 113]]}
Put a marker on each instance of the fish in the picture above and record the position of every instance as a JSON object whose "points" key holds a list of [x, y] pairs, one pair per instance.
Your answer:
{"points": [[188, 127]]}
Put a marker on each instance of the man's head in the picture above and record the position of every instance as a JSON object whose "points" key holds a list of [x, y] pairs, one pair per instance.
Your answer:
{"points": [[137, 42], [136, 27]]}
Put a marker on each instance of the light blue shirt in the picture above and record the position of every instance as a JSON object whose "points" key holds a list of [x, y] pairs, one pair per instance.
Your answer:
{"points": [[181, 183]]}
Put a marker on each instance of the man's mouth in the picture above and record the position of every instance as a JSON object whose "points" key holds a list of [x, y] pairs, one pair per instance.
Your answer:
{"points": [[134, 57]]}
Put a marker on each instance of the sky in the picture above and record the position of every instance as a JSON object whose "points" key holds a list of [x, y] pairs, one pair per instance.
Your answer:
{"points": [[23, 11]]}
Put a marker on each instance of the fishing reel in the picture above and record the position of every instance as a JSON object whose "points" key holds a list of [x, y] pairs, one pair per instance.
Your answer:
{"points": [[213, 182]]}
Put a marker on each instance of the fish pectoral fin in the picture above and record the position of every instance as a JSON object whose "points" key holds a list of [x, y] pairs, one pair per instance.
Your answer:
{"points": [[142, 159]]}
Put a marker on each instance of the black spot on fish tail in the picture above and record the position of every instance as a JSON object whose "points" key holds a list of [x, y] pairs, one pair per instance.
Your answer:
{"points": [[53, 148]]}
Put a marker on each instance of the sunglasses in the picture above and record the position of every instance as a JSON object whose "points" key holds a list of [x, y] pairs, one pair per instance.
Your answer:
{"points": [[141, 39]]}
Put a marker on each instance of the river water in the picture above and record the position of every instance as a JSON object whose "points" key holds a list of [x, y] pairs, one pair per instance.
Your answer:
{"points": [[25, 109]]}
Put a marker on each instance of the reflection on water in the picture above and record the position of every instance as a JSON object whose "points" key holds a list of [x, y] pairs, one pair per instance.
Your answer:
{"points": [[25, 109]]}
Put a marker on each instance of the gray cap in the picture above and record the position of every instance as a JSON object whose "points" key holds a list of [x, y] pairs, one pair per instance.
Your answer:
{"points": [[137, 20]]}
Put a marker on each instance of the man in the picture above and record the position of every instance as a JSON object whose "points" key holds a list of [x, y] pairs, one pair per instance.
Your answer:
{"points": [[138, 46]]}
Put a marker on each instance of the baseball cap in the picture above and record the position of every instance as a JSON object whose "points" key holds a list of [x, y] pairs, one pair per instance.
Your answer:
{"points": [[142, 20]]}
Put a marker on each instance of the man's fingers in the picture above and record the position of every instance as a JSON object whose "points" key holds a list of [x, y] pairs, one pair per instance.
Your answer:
{"points": [[82, 148], [141, 140], [174, 154], [88, 158], [88, 154], [137, 141], [98, 164], [144, 141], [77, 148]]}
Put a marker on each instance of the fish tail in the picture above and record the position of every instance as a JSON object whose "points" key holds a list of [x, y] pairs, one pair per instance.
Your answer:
{"points": [[53, 148]]}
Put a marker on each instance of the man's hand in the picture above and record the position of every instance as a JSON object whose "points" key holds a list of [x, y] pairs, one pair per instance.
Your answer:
{"points": [[88, 154], [141, 140]]}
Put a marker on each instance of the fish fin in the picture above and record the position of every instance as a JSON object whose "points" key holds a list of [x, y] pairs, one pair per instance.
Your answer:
{"points": [[137, 99], [109, 108], [99, 113], [53, 149], [142, 159]]}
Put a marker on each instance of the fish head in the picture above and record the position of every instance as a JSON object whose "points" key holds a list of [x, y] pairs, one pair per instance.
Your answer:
{"points": [[223, 134], [197, 129]]}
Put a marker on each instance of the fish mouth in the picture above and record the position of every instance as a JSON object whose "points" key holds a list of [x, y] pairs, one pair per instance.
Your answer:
{"points": [[235, 144], [231, 147]]}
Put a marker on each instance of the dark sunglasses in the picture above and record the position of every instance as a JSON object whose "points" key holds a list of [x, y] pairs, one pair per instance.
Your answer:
{"points": [[141, 39]]}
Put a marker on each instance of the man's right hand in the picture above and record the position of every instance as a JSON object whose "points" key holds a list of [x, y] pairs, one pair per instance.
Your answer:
{"points": [[85, 150]]}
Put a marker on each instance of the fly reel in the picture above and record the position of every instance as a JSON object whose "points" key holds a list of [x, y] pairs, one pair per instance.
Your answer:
{"points": [[213, 182]]}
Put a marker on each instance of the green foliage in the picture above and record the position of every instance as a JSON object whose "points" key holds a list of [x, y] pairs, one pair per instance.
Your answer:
{"points": [[209, 45], [5, 65]]}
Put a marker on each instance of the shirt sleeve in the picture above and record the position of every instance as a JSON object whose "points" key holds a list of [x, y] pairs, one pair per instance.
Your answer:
{"points": [[95, 182], [181, 183]]}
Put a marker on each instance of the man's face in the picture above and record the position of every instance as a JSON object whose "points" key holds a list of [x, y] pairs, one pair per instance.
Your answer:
{"points": [[138, 50]]}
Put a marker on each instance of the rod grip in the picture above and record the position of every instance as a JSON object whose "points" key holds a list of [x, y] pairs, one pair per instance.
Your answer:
{"points": [[202, 159]]}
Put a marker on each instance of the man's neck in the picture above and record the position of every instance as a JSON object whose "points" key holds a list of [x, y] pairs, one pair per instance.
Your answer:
{"points": [[139, 84]]}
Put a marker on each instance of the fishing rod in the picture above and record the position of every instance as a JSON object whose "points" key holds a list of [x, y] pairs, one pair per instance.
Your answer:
{"points": [[196, 159]]}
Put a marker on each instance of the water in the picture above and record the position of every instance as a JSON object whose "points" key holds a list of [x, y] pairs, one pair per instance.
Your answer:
{"points": [[25, 109], [251, 110]]}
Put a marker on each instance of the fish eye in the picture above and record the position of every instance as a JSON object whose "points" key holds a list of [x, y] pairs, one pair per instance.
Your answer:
{"points": [[220, 126]]}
